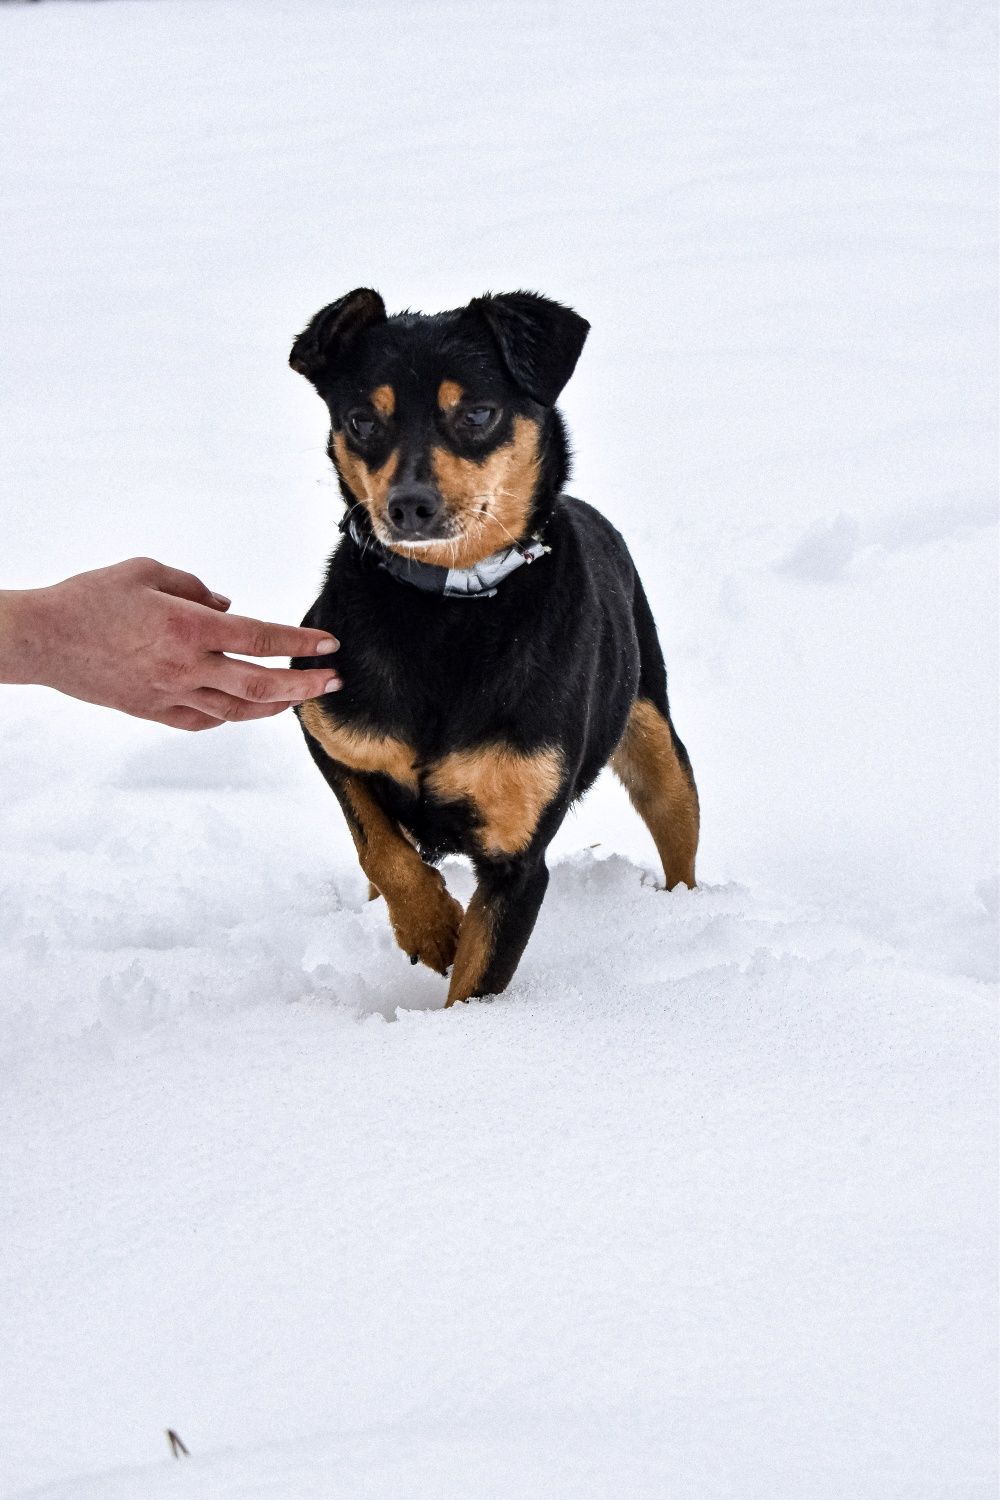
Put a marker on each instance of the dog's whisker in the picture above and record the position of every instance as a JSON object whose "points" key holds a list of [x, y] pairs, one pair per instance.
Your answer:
{"points": [[489, 516], [485, 514], [497, 521], [352, 508]]}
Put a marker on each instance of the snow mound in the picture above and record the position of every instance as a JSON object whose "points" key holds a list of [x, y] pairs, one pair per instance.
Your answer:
{"points": [[699, 1194]]}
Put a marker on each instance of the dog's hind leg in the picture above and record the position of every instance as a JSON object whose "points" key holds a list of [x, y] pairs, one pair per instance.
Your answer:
{"points": [[651, 761], [653, 766]]}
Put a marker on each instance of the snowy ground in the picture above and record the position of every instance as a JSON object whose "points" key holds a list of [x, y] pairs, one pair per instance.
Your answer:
{"points": [[704, 1205]]}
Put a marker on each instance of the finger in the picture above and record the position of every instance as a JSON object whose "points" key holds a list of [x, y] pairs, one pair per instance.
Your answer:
{"points": [[267, 684], [187, 718], [187, 586], [260, 638], [223, 706]]}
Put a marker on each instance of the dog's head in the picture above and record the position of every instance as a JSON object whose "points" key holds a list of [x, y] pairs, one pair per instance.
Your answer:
{"points": [[444, 428]]}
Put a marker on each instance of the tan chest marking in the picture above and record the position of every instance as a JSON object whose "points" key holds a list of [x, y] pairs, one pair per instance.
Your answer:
{"points": [[368, 485], [360, 750], [508, 789]]}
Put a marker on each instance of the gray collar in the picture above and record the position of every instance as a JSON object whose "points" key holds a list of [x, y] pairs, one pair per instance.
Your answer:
{"points": [[480, 582]]}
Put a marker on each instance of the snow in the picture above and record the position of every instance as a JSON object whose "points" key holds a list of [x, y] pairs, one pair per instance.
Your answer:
{"points": [[705, 1205]]}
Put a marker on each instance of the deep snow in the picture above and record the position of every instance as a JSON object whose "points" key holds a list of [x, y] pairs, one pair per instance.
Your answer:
{"points": [[705, 1205]]}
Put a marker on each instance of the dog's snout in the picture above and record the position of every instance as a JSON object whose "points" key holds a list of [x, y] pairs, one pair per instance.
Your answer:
{"points": [[414, 509]]}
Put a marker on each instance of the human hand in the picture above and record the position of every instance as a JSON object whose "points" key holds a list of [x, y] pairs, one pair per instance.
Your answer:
{"points": [[150, 641]]}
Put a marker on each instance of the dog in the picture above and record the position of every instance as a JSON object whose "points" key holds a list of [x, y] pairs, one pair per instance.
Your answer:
{"points": [[497, 646]]}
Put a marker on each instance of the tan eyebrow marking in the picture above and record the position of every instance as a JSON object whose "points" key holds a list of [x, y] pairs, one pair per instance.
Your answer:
{"points": [[383, 398], [450, 394]]}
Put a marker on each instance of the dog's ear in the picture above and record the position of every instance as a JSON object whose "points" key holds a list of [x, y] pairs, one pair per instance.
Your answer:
{"points": [[319, 349], [540, 340]]}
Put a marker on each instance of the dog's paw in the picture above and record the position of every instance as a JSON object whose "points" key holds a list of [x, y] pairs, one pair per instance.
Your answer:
{"points": [[427, 929]]}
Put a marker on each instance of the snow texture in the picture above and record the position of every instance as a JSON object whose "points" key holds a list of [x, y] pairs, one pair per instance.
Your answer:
{"points": [[704, 1206]]}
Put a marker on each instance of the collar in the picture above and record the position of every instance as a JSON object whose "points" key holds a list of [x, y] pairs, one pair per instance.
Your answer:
{"points": [[480, 582]]}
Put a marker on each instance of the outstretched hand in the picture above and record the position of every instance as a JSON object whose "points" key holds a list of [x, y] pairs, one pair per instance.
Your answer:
{"points": [[152, 642]]}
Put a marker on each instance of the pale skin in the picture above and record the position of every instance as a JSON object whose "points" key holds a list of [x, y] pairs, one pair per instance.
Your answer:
{"points": [[153, 642]]}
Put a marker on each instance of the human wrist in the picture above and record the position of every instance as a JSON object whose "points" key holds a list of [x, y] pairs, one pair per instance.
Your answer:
{"points": [[22, 635]]}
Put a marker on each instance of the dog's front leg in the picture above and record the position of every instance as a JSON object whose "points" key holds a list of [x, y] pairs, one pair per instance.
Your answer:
{"points": [[497, 925], [425, 918]]}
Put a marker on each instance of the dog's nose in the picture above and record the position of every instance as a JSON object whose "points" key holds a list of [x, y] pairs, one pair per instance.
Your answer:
{"points": [[413, 509]]}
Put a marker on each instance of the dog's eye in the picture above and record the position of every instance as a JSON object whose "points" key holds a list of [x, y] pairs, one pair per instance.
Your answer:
{"points": [[362, 424], [478, 416]]}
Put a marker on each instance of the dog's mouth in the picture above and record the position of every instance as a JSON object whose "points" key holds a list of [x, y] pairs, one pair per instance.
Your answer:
{"points": [[470, 527], [444, 530], [451, 537], [400, 544]]}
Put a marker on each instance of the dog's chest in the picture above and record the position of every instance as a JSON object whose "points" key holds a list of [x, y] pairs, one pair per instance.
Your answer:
{"points": [[503, 790]]}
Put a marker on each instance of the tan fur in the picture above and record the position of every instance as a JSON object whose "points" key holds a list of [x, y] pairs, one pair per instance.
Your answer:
{"points": [[371, 486], [383, 398], [425, 918], [509, 791], [475, 949], [359, 750], [490, 500], [450, 394], [661, 790]]}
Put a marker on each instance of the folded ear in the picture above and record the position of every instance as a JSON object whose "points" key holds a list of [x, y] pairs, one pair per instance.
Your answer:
{"points": [[540, 340], [319, 349]]}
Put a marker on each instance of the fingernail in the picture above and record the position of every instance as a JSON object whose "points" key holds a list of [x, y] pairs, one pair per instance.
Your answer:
{"points": [[333, 685], [325, 647], [221, 599]]}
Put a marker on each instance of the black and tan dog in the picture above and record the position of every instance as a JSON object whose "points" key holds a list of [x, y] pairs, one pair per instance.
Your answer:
{"points": [[497, 647]]}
